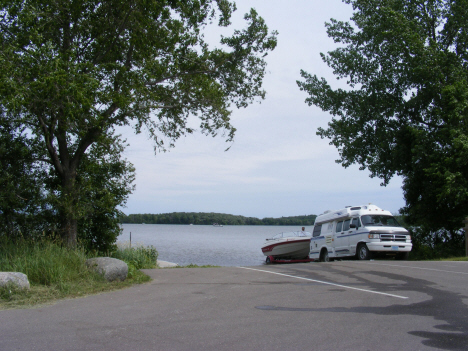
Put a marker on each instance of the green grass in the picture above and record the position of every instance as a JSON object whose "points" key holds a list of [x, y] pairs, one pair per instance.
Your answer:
{"points": [[55, 272], [139, 256]]}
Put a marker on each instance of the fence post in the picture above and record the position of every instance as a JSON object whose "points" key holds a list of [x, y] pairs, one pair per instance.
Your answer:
{"points": [[466, 236]]}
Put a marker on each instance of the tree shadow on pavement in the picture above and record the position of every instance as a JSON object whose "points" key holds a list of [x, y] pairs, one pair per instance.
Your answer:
{"points": [[443, 306]]}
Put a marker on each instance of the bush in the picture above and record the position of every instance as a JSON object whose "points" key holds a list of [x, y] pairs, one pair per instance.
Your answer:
{"points": [[44, 262], [54, 272], [139, 257], [429, 245]]}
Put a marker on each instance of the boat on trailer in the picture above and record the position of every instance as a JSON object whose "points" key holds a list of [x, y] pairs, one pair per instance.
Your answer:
{"points": [[288, 247]]}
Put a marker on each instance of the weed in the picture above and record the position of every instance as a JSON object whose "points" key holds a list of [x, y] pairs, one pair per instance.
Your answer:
{"points": [[139, 256], [54, 272]]}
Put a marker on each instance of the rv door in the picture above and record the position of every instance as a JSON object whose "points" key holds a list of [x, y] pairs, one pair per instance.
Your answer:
{"points": [[342, 238], [354, 236]]}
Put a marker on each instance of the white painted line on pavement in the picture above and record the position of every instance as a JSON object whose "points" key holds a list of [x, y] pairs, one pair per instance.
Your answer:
{"points": [[327, 283]]}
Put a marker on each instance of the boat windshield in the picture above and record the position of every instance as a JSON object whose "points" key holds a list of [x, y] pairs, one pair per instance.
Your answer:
{"points": [[303, 234], [291, 235], [379, 220]]}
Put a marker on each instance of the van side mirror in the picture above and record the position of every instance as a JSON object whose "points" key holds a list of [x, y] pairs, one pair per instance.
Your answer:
{"points": [[352, 225]]}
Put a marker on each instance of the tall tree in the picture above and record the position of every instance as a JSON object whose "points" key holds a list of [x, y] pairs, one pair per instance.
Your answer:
{"points": [[29, 195], [73, 70], [405, 110]]}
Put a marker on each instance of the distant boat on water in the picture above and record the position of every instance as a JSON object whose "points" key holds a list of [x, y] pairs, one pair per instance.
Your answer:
{"points": [[217, 225]]}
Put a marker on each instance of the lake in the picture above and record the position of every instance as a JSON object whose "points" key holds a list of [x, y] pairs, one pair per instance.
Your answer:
{"points": [[205, 244]]}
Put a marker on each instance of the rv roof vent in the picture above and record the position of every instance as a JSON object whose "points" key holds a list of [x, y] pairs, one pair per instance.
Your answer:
{"points": [[327, 211], [355, 208], [347, 206]]}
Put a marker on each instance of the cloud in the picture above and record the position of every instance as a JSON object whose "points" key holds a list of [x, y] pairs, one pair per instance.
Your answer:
{"points": [[277, 165]]}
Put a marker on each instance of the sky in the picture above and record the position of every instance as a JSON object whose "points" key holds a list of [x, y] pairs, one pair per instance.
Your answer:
{"points": [[277, 165]]}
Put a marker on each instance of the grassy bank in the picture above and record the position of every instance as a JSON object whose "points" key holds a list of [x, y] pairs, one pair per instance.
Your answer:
{"points": [[138, 256], [55, 272]]}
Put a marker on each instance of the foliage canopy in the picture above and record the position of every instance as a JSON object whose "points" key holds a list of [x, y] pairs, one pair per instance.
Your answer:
{"points": [[73, 71], [405, 109]]}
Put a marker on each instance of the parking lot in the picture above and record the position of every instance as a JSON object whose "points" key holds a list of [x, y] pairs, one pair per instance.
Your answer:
{"points": [[342, 305]]}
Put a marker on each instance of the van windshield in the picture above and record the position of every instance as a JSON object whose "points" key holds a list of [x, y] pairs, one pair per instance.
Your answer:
{"points": [[379, 220]]}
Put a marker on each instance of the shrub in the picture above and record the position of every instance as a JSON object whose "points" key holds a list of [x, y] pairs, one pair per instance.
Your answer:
{"points": [[429, 245], [54, 272], [44, 262], [139, 257]]}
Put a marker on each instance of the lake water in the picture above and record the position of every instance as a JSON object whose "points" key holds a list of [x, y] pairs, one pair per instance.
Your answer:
{"points": [[205, 244]]}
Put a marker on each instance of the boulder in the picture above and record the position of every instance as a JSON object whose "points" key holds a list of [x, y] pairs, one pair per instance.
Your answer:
{"points": [[111, 268], [165, 264], [18, 279]]}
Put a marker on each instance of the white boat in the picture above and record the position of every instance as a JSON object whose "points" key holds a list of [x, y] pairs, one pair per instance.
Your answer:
{"points": [[289, 245]]}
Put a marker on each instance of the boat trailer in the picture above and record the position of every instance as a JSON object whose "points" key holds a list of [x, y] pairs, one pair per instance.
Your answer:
{"points": [[273, 259]]}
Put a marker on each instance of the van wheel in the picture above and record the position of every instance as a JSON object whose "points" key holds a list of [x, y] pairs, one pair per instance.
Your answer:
{"points": [[363, 252], [324, 256]]}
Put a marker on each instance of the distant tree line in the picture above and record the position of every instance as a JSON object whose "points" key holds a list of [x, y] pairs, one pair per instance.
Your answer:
{"points": [[203, 218]]}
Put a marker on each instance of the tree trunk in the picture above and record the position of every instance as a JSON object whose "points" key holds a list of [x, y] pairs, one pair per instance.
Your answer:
{"points": [[69, 231], [68, 210]]}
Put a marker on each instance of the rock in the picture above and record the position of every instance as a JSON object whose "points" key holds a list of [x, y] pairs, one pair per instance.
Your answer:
{"points": [[111, 268], [165, 264], [16, 278]]}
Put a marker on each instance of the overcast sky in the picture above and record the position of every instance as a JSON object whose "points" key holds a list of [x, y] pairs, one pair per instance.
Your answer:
{"points": [[277, 165]]}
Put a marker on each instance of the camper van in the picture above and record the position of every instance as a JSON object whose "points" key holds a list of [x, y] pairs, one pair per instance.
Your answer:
{"points": [[359, 231]]}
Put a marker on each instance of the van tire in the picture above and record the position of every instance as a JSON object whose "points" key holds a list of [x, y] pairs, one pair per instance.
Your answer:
{"points": [[363, 252], [324, 256]]}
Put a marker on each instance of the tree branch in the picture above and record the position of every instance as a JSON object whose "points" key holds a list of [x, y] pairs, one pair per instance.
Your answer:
{"points": [[121, 28], [179, 75], [48, 139]]}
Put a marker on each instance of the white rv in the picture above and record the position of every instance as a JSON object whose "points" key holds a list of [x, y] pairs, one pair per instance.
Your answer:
{"points": [[358, 231]]}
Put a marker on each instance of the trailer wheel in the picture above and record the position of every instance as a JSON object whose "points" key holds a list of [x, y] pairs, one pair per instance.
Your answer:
{"points": [[363, 252], [324, 256]]}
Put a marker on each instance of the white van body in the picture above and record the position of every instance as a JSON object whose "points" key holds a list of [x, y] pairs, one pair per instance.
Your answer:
{"points": [[358, 231]]}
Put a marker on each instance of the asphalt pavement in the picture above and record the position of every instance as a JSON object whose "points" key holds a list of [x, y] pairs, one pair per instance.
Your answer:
{"points": [[344, 305]]}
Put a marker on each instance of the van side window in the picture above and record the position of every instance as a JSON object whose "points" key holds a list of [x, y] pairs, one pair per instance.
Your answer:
{"points": [[317, 230], [346, 224], [356, 222], [339, 225]]}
